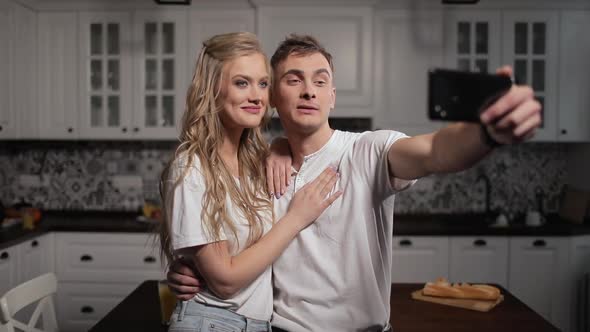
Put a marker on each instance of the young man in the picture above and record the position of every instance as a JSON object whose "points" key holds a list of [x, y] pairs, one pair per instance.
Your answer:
{"points": [[336, 276]]}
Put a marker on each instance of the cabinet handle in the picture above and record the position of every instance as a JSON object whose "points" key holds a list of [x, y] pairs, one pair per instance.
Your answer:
{"points": [[70, 130], [135, 129], [87, 309], [563, 131], [539, 243], [149, 259], [124, 129], [4, 255], [0, 128], [405, 243], [34, 243], [86, 258], [480, 243]]}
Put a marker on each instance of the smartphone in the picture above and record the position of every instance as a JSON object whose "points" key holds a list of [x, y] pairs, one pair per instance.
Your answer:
{"points": [[455, 95]]}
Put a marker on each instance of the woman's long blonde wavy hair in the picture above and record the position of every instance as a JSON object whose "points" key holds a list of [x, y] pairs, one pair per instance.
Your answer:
{"points": [[202, 136]]}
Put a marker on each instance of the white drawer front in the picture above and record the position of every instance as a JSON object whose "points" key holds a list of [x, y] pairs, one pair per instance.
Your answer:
{"points": [[419, 258], [81, 305], [106, 257]]}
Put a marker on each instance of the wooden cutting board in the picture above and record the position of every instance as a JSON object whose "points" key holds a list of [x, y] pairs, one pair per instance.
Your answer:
{"points": [[479, 305]]}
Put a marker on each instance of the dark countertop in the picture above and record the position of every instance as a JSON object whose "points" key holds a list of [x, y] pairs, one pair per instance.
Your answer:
{"points": [[404, 225], [140, 311], [78, 221]]}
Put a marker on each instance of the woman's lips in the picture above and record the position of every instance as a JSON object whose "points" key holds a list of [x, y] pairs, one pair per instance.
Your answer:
{"points": [[252, 109]]}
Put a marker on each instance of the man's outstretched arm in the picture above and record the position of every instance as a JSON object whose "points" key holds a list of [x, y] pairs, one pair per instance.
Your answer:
{"points": [[511, 119]]}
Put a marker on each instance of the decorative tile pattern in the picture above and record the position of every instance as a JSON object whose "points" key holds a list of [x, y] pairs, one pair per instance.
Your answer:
{"points": [[77, 176]]}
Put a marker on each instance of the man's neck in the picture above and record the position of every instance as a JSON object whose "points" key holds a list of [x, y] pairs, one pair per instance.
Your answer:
{"points": [[304, 144]]}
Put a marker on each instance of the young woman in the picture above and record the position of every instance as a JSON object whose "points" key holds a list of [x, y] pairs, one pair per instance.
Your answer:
{"points": [[218, 212]]}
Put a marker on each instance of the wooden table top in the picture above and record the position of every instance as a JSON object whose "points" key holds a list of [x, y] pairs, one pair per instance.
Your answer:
{"points": [[140, 311]]}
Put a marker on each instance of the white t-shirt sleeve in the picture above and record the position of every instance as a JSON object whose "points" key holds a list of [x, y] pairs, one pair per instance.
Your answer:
{"points": [[372, 149], [184, 206]]}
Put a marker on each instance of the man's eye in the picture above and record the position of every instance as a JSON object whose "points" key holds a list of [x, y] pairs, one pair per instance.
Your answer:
{"points": [[293, 81], [320, 83], [241, 83]]}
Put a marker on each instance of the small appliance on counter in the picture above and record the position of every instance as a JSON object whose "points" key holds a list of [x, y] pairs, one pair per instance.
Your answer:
{"points": [[575, 205]]}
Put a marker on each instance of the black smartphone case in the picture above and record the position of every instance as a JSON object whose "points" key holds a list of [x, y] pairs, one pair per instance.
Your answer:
{"points": [[461, 96]]}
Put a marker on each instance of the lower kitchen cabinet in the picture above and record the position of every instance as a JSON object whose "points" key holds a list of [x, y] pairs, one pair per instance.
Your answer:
{"points": [[8, 268], [479, 260], [81, 305], [420, 258], [580, 284], [538, 276], [97, 270]]}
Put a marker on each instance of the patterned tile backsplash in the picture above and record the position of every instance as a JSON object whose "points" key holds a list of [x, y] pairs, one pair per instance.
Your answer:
{"points": [[79, 176]]}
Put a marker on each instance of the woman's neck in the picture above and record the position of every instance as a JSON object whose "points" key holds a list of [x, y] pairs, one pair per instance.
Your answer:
{"points": [[229, 151]]}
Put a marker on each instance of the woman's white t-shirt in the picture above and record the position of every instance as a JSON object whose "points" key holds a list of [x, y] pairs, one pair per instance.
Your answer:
{"points": [[187, 230]]}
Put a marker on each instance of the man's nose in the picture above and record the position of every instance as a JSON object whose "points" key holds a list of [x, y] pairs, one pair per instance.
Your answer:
{"points": [[308, 92]]}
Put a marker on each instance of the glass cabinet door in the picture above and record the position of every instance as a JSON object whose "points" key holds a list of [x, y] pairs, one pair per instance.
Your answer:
{"points": [[160, 89], [474, 40], [104, 70], [530, 48]]}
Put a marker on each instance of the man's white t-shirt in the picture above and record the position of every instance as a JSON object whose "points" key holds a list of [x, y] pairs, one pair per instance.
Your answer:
{"points": [[187, 230], [336, 274]]}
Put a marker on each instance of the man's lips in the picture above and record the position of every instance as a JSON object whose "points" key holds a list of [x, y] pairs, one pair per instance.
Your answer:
{"points": [[307, 109], [252, 109]]}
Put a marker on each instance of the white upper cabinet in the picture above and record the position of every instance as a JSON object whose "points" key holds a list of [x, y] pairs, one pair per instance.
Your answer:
{"points": [[530, 46], [160, 69], [207, 23], [105, 82], [346, 32], [473, 40], [408, 44], [7, 114], [57, 42], [574, 78]]}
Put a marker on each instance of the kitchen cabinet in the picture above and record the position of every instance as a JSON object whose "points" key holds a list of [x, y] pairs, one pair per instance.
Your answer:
{"points": [[408, 44], [479, 260], [36, 257], [160, 72], [97, 270], [579, 278], [207, 23], [105, 69], [57, 103], [419, 258], [473, 40], [574, 56], [8, 268], [7, 114], [530, 45], [346, 31], [538, 276]]}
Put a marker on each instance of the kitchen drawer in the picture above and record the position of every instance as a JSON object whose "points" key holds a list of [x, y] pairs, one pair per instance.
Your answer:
{"points": [[419, 258], [81, 305], [479, 260], [107, 257]]}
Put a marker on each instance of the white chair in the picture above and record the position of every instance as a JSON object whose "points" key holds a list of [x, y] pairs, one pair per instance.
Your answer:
{"points": [[39, 289]]}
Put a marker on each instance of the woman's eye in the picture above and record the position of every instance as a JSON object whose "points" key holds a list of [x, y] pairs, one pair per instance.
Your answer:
{"points": [[263, 84], [241, 83]]}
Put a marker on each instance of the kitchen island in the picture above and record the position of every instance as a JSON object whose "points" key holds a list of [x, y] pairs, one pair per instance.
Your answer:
{"points": [[140, 311]]}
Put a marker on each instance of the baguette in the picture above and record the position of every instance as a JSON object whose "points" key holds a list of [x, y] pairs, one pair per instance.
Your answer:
{"points": [[442, 288]]}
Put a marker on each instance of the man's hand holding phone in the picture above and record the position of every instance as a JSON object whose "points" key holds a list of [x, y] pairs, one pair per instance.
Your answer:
{"points": [[515, 116], [509, 113]]}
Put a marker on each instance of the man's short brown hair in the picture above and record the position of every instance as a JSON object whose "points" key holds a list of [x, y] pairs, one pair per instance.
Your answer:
{"points": [[299, 45]]}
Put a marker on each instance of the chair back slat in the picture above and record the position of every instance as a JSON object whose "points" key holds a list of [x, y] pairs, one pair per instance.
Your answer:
{"points": [[38, 290]]}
